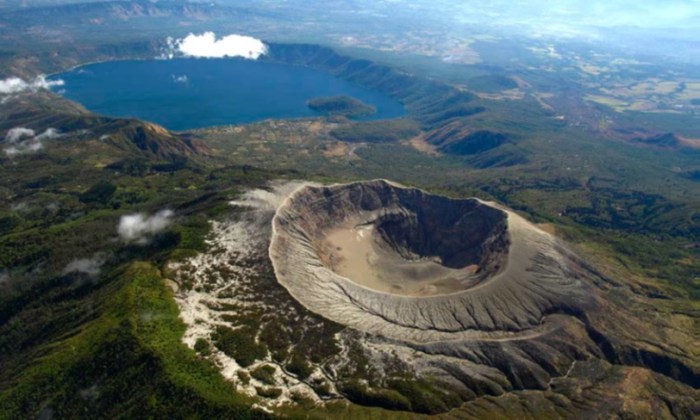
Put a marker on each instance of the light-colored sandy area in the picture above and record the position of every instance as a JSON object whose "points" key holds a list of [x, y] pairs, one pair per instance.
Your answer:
{"points": [[222, 278], [421, 145], [689, 142], [335, 150], [359, 254]]}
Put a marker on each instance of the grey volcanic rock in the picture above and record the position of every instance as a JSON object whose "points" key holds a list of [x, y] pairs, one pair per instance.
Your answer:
{"points": [[452, 305], [410, 266]]}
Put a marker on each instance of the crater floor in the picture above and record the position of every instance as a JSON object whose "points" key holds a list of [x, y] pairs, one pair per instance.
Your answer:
{"points": [[360, 254], [427, 246]]}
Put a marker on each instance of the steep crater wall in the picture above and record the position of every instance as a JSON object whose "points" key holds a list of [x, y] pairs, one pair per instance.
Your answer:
{"points": [[419, 267]]}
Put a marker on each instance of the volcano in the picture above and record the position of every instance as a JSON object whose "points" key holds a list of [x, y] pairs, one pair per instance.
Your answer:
{"points": [[410, 265]]}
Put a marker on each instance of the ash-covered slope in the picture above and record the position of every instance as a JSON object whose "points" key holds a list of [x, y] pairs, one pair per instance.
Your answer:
{"points": [[490, 302], [428, 304], [485, 271]]}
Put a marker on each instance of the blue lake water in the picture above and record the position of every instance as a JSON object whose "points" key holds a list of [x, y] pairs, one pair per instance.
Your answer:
{"points": [[183, 94]]}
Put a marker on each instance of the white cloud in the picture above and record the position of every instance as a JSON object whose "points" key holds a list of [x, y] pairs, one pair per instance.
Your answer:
{"points": [[206, 45], [139, 228], [50, 133], [89, 266], [16, 134], [22, 140], [15, 85]]}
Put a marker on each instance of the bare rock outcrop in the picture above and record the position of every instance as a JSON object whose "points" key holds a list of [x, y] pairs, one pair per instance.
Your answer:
{"points": [[438, 305], [410, 266]]}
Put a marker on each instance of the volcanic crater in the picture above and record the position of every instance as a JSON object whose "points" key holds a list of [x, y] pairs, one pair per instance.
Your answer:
{"points": [[429, 245], [415, 266]]}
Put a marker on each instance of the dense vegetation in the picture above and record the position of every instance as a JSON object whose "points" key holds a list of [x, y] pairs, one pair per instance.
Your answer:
{"points": [[473, 143], [103, 339], [341, 106], [125, 359], [376, 131], [491, 83]]}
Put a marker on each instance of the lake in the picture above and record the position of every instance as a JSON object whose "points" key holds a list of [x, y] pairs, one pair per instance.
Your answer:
{"points": [[183, 94]]}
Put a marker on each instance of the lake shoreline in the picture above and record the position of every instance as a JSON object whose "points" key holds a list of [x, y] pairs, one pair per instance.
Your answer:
{"points": [[226, 92]]}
